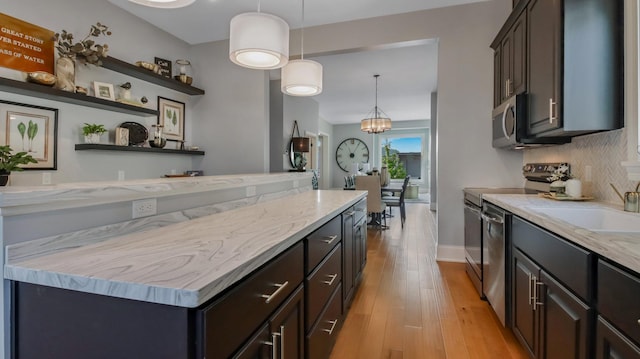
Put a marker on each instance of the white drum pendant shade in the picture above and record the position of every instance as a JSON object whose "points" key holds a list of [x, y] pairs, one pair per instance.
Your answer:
{"points": [[164, 4], [259, 41], [302, 78]]}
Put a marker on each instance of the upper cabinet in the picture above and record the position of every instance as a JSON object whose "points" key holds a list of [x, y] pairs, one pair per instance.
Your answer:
{"points": [[510, 57], [575, 66], [567, 55]]}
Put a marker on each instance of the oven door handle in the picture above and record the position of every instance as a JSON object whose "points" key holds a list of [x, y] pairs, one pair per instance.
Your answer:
{"points": [[504, 121], [490, 219]]}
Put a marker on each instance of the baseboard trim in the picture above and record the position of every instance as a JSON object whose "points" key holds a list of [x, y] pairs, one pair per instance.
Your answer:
{"points": [[450, 254]]}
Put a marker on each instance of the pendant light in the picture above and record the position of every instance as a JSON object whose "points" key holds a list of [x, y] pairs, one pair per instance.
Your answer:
{"points": [[302, 77], [379, 121], [258, 40], [164, 4]]}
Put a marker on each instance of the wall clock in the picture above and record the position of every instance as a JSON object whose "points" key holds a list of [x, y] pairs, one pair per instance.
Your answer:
{"points": [[351, 150]]}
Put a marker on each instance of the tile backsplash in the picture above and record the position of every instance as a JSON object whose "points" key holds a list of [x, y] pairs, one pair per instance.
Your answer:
{"points": [[602, 151]]}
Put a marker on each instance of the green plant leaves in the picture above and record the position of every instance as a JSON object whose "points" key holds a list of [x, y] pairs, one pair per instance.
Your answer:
{"points": [[22, 128], [32, 130]]}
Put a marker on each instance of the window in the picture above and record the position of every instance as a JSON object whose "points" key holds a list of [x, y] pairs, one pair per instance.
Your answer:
{"points": [[405, 152]]}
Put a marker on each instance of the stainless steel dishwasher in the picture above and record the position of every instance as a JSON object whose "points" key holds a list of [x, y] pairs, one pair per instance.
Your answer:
{"points": [[495, 221]]}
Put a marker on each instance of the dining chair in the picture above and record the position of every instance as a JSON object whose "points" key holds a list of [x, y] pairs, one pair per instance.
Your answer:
{"points": [[393, 201], [375, 206]]}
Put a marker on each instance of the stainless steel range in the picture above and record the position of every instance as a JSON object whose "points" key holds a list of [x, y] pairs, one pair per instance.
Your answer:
{"points": [[485, 243]]}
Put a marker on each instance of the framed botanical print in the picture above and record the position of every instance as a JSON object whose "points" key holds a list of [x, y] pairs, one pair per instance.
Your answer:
{"points": [[32, 129], [171, 116]]}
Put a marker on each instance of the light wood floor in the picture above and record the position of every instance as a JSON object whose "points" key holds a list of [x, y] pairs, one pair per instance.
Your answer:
{"points": [[410, 306]]}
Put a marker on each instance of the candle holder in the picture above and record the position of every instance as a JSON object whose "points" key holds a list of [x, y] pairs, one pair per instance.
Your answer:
{"points": [[185, 69]]}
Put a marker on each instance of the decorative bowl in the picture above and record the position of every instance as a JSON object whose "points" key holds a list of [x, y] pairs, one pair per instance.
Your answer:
{"points": [[41, 77], [148, 66], [158, 143]]}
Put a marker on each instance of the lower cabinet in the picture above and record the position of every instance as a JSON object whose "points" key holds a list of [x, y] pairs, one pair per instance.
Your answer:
{"points": [[322, 336], [354, 236], [283, 336], [549, 320], [611, 344]]}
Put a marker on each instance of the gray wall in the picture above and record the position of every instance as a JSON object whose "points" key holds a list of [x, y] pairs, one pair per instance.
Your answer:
{"points": [[433, 190]]}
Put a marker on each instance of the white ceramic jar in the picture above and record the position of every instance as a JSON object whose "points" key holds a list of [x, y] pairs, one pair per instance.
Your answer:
{"points": [[573, 188]]}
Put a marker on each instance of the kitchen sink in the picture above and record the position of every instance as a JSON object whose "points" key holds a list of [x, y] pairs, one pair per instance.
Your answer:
{"points": [[595, 219]]}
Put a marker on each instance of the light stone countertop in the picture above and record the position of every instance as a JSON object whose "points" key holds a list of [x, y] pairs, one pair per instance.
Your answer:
{"points": [[622, 248], [188, 263]]}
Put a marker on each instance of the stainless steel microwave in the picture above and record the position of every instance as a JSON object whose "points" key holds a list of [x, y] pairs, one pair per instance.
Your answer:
{"points": [[509, 126]]}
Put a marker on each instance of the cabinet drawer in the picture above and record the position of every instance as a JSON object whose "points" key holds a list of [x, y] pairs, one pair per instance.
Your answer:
{"points": [[570, 264], [323, 335], [618, 293], [227, 323], [321, 283], [320, 242]]}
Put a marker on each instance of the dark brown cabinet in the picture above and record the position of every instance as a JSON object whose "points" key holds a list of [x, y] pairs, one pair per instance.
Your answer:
{"points": [[354, 229], [575, 67], [618, 328], [510, 57], [550, 318], [611, 344]]}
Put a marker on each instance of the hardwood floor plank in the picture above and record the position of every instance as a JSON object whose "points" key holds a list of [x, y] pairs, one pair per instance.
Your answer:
{"points": [[411, 306]]}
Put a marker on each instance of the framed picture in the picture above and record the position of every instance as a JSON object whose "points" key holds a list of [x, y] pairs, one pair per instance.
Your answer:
{"points": [[104, 90], [172, 118], [32, 129], [164, 65]]}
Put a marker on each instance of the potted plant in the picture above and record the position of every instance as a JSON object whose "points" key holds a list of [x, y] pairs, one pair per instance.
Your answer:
{"points": [[10, 162], [86, 51], [92, 132]]}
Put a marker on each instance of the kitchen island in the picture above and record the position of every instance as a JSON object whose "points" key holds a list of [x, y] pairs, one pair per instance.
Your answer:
{"points": [[85, 276]]}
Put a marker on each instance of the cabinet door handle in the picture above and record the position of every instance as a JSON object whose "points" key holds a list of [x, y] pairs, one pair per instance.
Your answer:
{"points": [[530, 281], [274, 352], [280, 287], [536, 302], [333, 326], [333, 277], [551, 117], [330, 239], [506, 88]]}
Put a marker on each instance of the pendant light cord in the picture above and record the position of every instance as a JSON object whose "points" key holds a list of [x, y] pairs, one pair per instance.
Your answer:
{"points": [[302, 34], [376, 108], [259, 5]]}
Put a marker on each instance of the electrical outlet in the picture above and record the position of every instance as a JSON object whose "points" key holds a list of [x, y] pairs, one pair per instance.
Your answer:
{"points": [[251, 191], [120, 175], [46, 178], [144, 208], [173, 172]]}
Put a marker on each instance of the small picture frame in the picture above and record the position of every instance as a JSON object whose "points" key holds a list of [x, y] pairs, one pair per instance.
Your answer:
{"points": [[122, 136], [164, 66], [31, 129], [171, 115], [104, 90]]}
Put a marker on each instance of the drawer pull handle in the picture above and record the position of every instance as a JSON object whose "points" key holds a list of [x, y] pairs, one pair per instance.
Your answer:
{"points": [[269, 298], [349, 214], [333, 326], [333, 277], [330, 239]]}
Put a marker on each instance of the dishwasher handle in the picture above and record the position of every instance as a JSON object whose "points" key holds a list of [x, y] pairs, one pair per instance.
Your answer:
{"points": [[491, 219]]}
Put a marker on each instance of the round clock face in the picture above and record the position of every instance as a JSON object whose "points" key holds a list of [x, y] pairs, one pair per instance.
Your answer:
{"points": [[351, 150]]}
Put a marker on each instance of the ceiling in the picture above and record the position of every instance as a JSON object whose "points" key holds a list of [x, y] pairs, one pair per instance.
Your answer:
{"points": [[408, 74]]}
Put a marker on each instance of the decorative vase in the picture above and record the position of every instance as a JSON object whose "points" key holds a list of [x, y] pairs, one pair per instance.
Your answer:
{"points": [[92, 138], [159, 139], [66, 74], [4, 178], [385, 176]]}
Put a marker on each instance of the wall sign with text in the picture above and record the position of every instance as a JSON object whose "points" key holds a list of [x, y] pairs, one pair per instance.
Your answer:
{"points": [[24, 46]]}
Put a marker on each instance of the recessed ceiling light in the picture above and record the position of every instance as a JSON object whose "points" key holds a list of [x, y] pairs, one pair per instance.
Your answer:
{"points": [[164, 4]]}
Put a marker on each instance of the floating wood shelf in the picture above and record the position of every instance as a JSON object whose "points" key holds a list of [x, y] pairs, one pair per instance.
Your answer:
{"points": [[49, 93], [126, 68], [105, 147]]}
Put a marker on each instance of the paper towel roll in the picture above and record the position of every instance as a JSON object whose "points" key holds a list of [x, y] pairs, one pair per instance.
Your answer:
{"points": [[573, 188]]}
